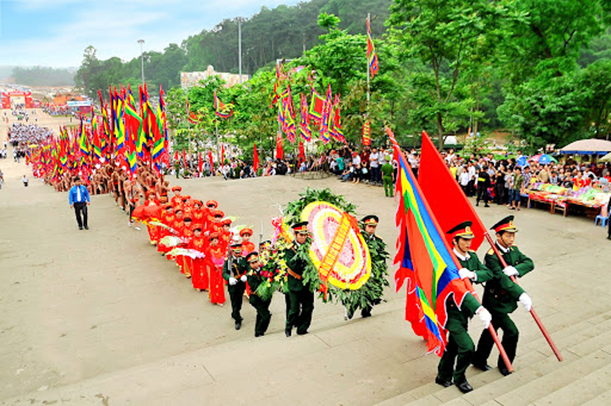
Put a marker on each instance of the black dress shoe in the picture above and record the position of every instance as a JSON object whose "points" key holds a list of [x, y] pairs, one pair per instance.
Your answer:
{"points": [[301, 333], [258, 335], [80, 228], [442, 382], [86, 228], [503, 370], [483, 367], [238, 325], [287, 333], [464, 386]]}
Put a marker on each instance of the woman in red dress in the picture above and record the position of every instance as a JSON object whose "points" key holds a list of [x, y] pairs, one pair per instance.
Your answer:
{"points": [[215, 257], [199, 270]]}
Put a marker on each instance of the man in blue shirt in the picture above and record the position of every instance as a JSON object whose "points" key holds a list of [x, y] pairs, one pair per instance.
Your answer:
{"points": [[79, 199]]}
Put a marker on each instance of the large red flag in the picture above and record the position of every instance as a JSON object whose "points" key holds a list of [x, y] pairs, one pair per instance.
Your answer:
{"points": [[200, 162], [222, 155], [279, 148], [255, 158], [445, 196], [211, 161]]}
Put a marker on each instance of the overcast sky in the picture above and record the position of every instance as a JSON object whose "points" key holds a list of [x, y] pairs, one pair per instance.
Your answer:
{"points": [[56, 32]]}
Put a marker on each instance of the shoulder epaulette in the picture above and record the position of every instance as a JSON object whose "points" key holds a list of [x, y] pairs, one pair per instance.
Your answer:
{"points": [[471, 250], [490, 252]]}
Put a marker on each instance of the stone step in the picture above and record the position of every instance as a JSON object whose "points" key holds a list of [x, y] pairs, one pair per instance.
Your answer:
{"points": [[578, 327], [580, 391], [602, 399], [532, 362], [552, 381]]}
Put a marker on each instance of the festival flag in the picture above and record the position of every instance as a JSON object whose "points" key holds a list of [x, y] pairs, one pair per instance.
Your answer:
{"points": [[317, 105], [335, 128], [97, 150], [83, 142], [326, 117], [424, 259], [200, 162], [304, 130], [222, 110], [222, 155], [372, 56], [133, 121], [165, 156], [211, 161], [184, 157], [445, 196], [255, 158], [366, 133], [191, 116]]}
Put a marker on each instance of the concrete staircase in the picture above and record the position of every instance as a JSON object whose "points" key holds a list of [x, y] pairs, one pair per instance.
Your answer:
{"points": [[584, 377]]}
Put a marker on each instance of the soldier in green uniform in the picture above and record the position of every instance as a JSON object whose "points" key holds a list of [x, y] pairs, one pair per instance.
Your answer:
{"points": [[378, 280], [501, 295], [302, 299], [460, 347], [261, 306], [388, 177], [234, 272]]}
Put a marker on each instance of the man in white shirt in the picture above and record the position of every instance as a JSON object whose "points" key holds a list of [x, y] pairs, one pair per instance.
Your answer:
{"points": [[463, 179], [375, 168]]}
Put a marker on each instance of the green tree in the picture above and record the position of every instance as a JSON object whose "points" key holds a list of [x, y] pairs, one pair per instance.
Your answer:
{"points": [[448, 37]]}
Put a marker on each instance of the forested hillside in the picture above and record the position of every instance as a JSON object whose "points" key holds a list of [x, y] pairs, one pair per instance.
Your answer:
{"points": [[282, 32]]}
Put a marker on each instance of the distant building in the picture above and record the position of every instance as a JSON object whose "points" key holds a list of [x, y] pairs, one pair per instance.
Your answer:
{"points": [[191, 79]]}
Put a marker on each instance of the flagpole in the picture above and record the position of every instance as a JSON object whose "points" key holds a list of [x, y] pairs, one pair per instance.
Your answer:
{"points": [[368, 70], [467, 282]]}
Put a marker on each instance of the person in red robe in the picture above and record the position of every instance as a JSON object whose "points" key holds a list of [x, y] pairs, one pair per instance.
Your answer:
{"points": [[247, 248], [216, 222], [214, 260], [226, 233], [197, 213], [167, 218], [177, 198], [247, 245], [176, 225], [184, 261], [199, 270], [152, 230]]}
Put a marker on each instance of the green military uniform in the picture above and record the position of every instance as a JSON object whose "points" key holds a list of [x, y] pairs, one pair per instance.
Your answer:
{"points": [[236, 268], [378, 280], [500, 298], [301, 298], [261, 306], [387, 172], [460, 347]]}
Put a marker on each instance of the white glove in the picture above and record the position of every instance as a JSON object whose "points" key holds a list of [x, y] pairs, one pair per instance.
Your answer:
{"points": [[484, 316], [511, 271], [232, 280], [243, 278], [526, 301], [465, 273]]}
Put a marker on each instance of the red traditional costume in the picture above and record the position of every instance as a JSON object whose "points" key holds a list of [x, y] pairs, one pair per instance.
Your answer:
{"points": [[199, 271], [215, 257]]}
